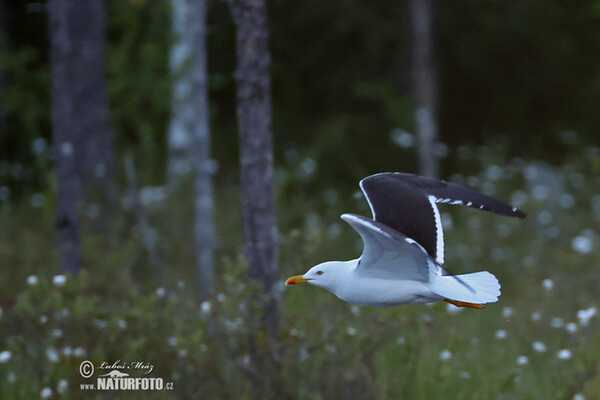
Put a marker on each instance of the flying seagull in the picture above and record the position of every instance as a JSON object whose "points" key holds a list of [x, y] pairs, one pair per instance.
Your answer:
{"points": [[403, 255]]}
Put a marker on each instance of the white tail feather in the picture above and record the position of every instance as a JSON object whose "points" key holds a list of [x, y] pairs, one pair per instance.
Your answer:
{"points": [[484, 285]]}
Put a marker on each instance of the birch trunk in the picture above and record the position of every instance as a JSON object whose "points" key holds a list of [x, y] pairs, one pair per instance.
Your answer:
{"points": [[189, 135]]}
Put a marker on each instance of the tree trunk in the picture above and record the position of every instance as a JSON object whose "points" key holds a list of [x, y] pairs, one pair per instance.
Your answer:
{"points": [[256, 151], [424, 85], [189, 135], [3, 47], [180, 137], [80, 118]]}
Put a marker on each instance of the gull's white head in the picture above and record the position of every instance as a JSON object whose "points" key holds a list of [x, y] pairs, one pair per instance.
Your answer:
{"points": [[325, 275]]}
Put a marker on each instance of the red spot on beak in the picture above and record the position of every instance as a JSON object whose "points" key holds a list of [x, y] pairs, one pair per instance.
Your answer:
{"points": [[291, 283]]}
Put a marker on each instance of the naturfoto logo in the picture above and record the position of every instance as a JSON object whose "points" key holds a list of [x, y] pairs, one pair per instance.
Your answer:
{"points": [[115, 377]]}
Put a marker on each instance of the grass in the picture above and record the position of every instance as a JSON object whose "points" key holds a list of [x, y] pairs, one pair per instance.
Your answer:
{"points": [[535, 343]]}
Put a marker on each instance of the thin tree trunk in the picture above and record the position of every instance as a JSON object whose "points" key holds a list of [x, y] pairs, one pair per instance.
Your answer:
{"points": [[80, 118], [424, 85], [180, 137], [3, 47], [204, 202], [190, 128], [256, 151]]}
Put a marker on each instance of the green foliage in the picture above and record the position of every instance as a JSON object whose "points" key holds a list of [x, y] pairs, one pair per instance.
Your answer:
{"points": [[511, 73], [139, 84], [534, 343]]}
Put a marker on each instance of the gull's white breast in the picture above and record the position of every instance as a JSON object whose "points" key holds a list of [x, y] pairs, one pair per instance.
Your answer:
{"points": [[377, 292]]}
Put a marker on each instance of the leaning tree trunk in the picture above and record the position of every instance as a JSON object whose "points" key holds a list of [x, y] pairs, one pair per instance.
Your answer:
{"points": [[80, 118], [189, 136], [424, 85], [256, 151]]}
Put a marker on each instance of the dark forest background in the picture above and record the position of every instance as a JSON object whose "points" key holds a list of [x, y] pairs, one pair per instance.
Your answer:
{"points": [[516, 101]]}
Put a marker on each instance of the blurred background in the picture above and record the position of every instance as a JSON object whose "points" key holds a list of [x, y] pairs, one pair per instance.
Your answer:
{"points": [[501, 97]]}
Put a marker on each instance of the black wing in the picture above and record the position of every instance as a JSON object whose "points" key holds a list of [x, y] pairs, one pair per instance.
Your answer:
{"points": [[446, 192], [406, 203]]}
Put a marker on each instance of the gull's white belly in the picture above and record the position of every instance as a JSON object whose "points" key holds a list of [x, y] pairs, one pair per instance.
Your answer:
{"points": [[385, 292]]}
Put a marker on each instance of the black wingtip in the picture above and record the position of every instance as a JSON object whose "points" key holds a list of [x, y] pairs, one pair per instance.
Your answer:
{"points": [[519, 214]]}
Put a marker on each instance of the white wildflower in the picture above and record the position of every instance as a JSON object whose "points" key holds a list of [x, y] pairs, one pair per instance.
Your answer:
{"points": [[500, 334], [351, 331], [536, 316], [161, 292], [52, 355], [64, 313], [582, 244], [59, 280], [79, 352], [584, 316], [522, 360], [221, 298], [507, 312], [445, 355], [62, 386], [540, 347], [5, 356], [548, 284], [564, 354], [32, 280], [571, 327], [557, 322], [205, 307], [100, 323], [172, 341], [46, 393]]}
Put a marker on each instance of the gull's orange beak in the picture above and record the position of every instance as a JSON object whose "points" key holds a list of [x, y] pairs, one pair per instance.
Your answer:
{"points": [[296, 279]]}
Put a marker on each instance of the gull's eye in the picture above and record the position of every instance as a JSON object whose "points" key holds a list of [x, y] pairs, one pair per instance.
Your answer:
{"points": [[319, 272]]}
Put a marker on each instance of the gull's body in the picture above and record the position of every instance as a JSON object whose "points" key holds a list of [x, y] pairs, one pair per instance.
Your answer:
{"points": [[403, 256]]}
